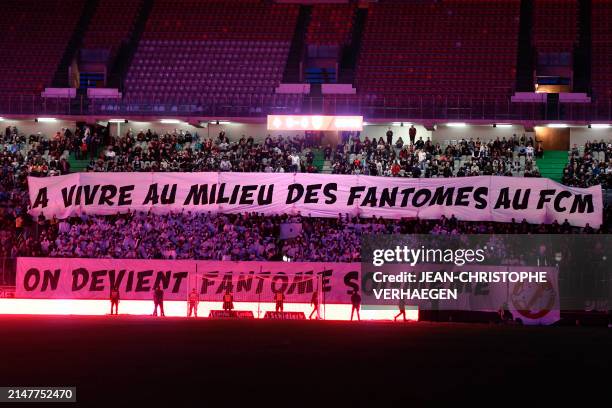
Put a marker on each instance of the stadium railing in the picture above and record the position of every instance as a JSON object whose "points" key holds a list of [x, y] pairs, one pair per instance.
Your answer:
{"points": [[389, 107]]}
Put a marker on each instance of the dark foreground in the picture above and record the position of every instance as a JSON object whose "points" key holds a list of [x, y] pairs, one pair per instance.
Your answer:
{"points": [[142, 361]]}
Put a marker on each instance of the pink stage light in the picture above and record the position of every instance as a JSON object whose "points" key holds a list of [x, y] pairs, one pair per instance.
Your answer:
{"points": [[178, 308]]}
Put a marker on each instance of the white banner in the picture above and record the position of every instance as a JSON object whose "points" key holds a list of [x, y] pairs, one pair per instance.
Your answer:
{"points": [[483, 198], [74, 278]]}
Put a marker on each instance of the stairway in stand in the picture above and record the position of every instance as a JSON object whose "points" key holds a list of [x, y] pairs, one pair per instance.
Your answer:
{"points": [[551, 165], [77, 165], [319, 159]]}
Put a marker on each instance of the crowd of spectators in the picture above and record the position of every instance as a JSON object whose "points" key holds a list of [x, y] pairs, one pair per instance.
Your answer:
{"points": [[418, 158], [183, 151], [589, 165], [186, 152], [35, 155], [243, 237], [251, 236]]}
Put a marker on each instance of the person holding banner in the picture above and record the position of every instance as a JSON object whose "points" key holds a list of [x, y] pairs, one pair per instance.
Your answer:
{"points": [[193, 303], [279, 297], [356, 302], [228, 301], [114, 300], [402, 310], [158, 300], [314, 301]]}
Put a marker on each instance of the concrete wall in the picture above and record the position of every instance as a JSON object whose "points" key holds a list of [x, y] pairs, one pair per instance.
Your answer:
{"points": [[378, 131], [232, 130], [581, 135], [30, 127], [136, 126], [578, 135], [258, 131], [444, 133]]}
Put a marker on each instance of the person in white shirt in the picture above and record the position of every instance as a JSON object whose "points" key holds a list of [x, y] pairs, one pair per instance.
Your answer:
{"points": [[225, 165], [422, 156], [295, 162], [110, 153]]}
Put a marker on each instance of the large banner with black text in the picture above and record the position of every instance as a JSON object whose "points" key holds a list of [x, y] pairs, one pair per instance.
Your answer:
{"points": [[482, 198], [334, 283], [77, 278]]}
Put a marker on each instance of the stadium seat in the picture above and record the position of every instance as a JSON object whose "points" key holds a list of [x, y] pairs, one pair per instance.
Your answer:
{"points": [[33, 40], [450, 48]]}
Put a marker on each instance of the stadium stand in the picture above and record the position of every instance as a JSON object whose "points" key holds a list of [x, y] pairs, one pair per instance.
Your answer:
{"points": [[33, 40], [590, 164], [228, 237], [601, 35], [426, 159], [440, 48], [432, 59], [555, 25], [250, 236], [111, 25], [441, 137], [330, 24], [206, 50], [171, 72]]}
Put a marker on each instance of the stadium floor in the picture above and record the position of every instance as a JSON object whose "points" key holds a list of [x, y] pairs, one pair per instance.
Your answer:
{"points": [[137, 361]]}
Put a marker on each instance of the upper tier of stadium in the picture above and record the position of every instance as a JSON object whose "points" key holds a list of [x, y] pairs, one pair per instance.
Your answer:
{"points": [[450, 59]]}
